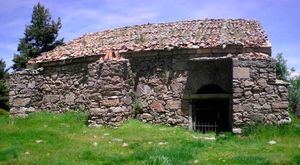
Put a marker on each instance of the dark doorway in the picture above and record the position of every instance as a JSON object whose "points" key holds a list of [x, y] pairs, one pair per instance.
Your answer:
{"points": [[211, 109]]}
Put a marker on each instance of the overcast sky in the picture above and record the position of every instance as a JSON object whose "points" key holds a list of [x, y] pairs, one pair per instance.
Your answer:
{"points": [[280, 18]]}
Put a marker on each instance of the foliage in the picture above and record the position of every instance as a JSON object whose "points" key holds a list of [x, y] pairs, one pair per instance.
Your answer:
{"points": [[282, 70], [3, 112], [3, 70], [46, 138], [20, 61], [3, 95], [137, 105], [294, 92], [3, 87], [39, 36]]}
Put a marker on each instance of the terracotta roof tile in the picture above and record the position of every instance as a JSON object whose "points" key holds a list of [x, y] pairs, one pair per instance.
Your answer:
{"points": [[183, 34]]}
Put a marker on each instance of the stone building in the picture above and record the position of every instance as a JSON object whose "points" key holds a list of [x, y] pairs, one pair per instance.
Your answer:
{"points": [[208, 75]]}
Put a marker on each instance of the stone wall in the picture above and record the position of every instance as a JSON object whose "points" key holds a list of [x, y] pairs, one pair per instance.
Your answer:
{"points": [[96, 86], [160, 83], [164, 83], [111, 88], [24, 91], [56, 89], [257, 95], [159, 89]]}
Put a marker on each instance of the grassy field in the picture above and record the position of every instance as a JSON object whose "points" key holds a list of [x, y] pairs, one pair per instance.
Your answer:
{"points": [[45, 138]]}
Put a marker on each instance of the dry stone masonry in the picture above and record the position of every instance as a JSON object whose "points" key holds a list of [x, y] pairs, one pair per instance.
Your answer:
{"points": [[102, 87], [257, 95], [220, 77], [111, 86]]}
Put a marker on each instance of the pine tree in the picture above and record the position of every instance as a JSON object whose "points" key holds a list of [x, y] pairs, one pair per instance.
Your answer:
{"points": [[3, 87], [40, 36]]}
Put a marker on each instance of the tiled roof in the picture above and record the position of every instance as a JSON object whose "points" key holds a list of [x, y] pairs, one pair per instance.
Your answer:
{"points": [[182, 34]]}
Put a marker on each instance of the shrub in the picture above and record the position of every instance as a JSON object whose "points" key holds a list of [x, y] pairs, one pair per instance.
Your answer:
{"points": [[294, 93], [3, 86]]}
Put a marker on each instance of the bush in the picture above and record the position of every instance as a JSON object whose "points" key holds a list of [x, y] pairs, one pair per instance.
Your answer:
{"points": [[3, 112], [137, 105], [294, 93], [3, 86], [283, 72]]}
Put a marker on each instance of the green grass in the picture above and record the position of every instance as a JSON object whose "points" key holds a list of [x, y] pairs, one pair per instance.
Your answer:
{"points": [[45, 138], [3, 112]]}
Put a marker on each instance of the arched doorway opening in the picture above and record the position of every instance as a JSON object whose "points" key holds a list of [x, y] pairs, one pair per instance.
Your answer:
{"points": [[210, 108]]}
